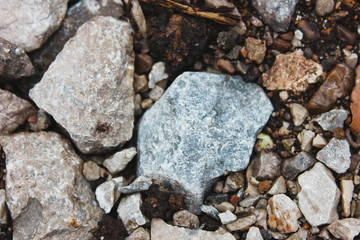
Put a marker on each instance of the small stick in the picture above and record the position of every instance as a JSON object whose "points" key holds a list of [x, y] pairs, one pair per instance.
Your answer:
{"points": [[222, 18]]}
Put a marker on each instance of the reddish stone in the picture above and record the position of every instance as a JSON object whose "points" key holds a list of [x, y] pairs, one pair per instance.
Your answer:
{"points": [[264, 186], [355, 159], [310, 31], [234, 200], [355, 124], [143, 63], [339, 133], [226, 66], [338, 84], [355, 95], [281, 45]]}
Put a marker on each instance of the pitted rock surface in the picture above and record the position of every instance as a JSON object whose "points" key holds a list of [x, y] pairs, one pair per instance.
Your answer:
{"points": [[204, 125], [88, 89], [28, 24], [46, 193]]}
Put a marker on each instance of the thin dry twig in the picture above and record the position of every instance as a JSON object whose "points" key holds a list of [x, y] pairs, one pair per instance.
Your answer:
{"points": [[219, 17]]}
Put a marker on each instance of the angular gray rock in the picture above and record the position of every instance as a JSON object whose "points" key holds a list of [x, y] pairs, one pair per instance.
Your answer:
{"points": [[291, 167], [14, 63], [118, 162], [319, 195], [336, 155], [28, 24], [13, 111], [184, 218], [276, 13], [129, 212], [88, 89], [46, 193], [332, 120], [345, 229], [160, 230], [3, 209], [203, 126], [267, 165]]}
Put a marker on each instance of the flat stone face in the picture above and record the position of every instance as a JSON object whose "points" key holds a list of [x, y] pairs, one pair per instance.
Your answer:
{"points": [[203, 125], [276, 13], [319, 195], [160, 230], [13, 111], [88, 89], [336, 155], [29, 23], [332, 120], [46, 192], [345, 229]]}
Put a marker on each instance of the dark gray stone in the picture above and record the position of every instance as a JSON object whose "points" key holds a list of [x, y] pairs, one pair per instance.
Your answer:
{"points": [[203, 126], [267, 166], [276, 13], [291, 167]]}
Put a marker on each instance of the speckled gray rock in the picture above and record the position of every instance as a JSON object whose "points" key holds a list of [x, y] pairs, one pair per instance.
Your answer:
{"points": [[267, 165], [13, 112], [291, 167], [14, 63], [28, 24], [276, 13], [336, 155], [332, 120], [46, 193], [324, 7], [88, 89], [160, 230], [204, 125], [319, 195]]}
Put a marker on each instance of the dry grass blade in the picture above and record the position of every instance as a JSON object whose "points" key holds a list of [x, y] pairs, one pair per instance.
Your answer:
{"points": [[222, 18]]}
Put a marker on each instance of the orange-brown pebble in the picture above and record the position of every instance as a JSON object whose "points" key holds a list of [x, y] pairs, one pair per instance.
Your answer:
{"points": [[355, 124], [226, 66], [234, 200], [339, 133], [338, 84], [355, 95], [264, 186]]}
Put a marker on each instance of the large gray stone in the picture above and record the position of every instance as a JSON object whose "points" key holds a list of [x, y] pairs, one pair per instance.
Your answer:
{"points": [[88, 89], [276, 13], [29, 23], [202, 127], [13, 112], [46, 193]]}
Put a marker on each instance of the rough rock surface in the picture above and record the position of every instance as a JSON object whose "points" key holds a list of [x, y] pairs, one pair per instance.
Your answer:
{"points": [[108, 193], [256, 49], [129, 212], [298, 113], [355, 105], [276, 13], [139, 234], [291, 167], [119, 160], [184, 218], [347, 189], [28, 24], [13, 112], [292, 71], [47, 195], [3, 209], [14, 63], [162, 231], [283, 214], [324, 7], [76, 15], [242, 223], [319, 195], [227, 217], [332, 120], [203, 125], [336, 155], [92, 171], [254, 234], [338, 84], [86, 91], [266, 166], [345, 229]]}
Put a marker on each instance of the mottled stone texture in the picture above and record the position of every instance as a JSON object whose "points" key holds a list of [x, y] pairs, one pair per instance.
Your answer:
{"points": [[276, 13], [13, 112], [14, 63], [204, 125], [46, 193], [29, 23], [88, 89], [293, 72]]}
